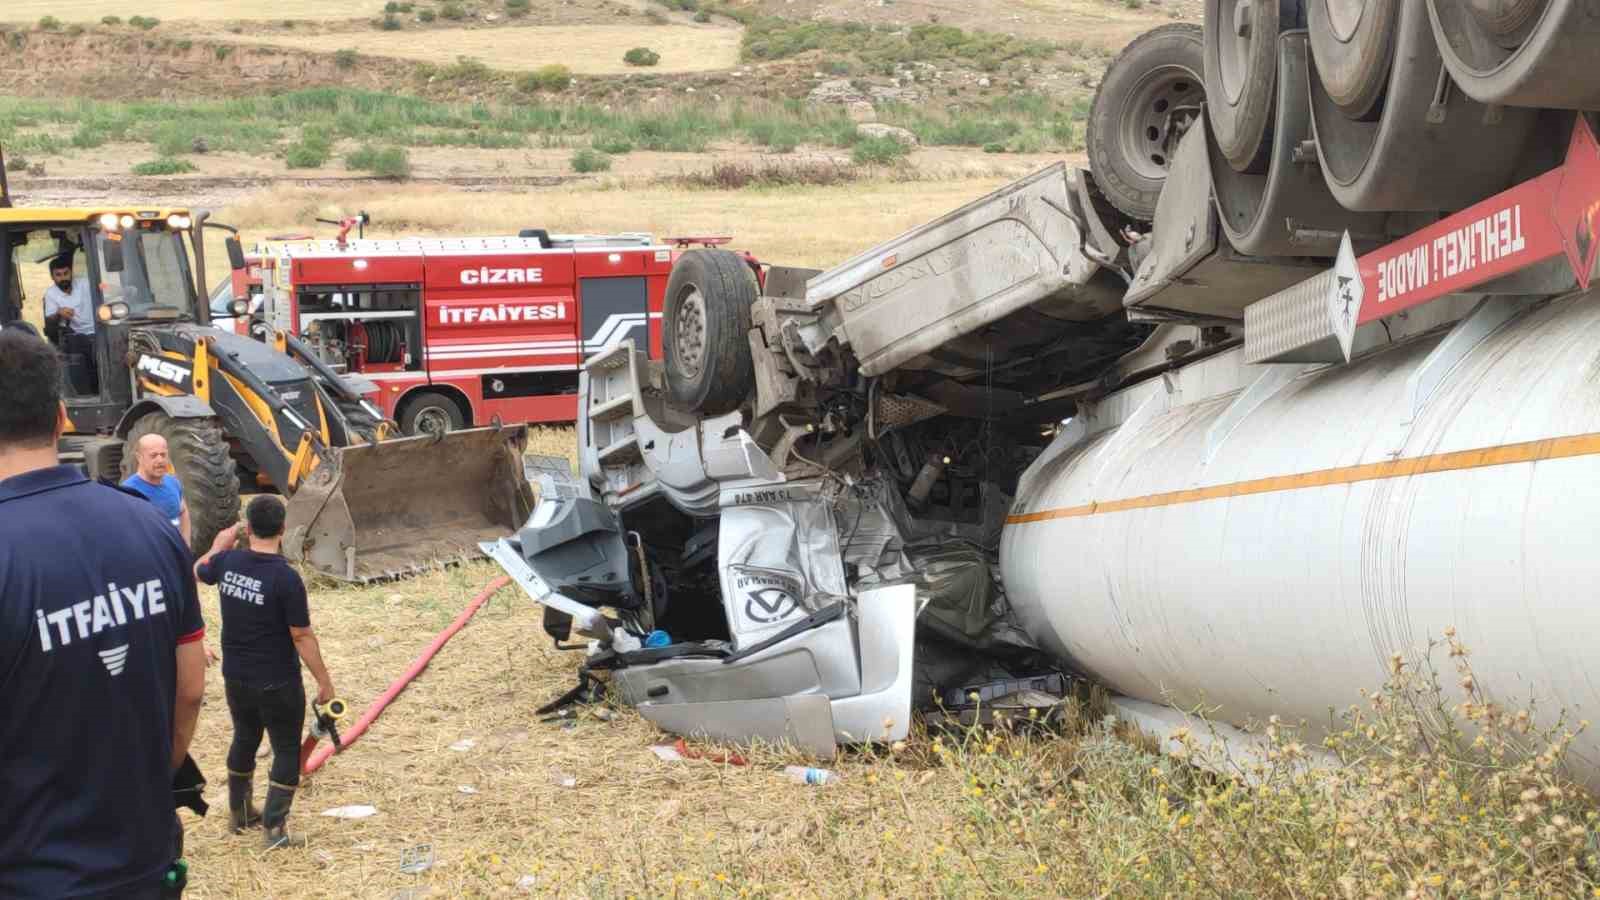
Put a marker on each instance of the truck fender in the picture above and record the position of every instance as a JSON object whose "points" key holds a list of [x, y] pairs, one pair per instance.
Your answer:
{"points": [[184, 406]]}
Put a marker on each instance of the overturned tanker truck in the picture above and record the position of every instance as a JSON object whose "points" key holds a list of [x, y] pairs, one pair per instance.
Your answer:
{"points": [[1304, 373]]}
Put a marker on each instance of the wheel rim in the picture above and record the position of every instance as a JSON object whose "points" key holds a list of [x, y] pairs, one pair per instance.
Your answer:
{"points": [[1236, 28], [432, 420], [689, 333], [1505, 21], [1344, 18], [1157, 114]]}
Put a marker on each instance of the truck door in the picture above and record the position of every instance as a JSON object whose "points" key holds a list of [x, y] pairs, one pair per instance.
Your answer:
{"points": [[614, 297], [503, 329]]}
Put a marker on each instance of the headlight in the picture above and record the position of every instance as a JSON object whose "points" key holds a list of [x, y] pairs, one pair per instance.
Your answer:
{"points": [[239, 307], [127, 221], [115, 311], [109, 221], [179, 222]]}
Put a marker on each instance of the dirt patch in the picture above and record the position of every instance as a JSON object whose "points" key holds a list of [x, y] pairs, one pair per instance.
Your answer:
{"points": [[1105, 24]]}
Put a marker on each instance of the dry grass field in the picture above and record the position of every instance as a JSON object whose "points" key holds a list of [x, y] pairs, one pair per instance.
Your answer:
{"points": [[86, 11], [585, 49], [810, 226]]}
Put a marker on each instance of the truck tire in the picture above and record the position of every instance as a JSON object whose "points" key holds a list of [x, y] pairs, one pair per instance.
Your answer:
{"points": [[431, 413], [1151, 94], [201, 462], [705, 331], [1352, 45], [1241, 69]]}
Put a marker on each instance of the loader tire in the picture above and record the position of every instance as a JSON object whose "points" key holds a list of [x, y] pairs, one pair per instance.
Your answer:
{"points": [[1150, 96], [705, 331], [201, 462], [431, 413], [1241, 63]]}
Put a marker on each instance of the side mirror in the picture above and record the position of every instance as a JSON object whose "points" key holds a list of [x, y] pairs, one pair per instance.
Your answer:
{"points": [[113, 253], [235, 253]]}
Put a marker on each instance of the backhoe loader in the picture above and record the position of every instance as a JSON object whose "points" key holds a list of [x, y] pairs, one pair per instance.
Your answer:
{"points": [[242, 415]]}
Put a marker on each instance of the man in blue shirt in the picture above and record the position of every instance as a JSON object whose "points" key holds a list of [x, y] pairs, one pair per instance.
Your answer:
{"points": [[101, 662], [154, 479]]}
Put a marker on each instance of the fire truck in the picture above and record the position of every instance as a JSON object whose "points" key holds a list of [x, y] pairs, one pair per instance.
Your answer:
{"points": [[463, 331]]}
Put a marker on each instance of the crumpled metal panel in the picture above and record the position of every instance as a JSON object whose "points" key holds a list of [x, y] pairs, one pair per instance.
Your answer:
{"points": [[982, 262], [777, 553]]}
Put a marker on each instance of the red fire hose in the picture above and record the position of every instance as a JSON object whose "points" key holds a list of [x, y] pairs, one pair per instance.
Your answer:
{"points": [[417, 665]]}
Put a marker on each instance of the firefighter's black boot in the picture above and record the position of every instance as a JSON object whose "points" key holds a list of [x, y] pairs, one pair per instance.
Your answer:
{"points": [[275, 816], [242, 813]]}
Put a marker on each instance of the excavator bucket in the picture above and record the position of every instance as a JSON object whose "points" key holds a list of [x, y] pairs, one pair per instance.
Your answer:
{"points": [[396, 507]]}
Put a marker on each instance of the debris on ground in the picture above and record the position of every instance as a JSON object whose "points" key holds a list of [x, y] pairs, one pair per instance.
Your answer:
{"points": [[357, 811]]}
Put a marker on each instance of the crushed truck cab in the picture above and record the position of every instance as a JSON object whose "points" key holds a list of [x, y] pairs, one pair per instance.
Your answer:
{"points": [[793, 564]]}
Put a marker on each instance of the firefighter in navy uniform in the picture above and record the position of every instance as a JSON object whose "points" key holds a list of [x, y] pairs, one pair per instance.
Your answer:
{"points": [[101, 663]]}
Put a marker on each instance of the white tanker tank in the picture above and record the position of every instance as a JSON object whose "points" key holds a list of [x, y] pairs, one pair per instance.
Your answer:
{"points": [[1268, 550]]}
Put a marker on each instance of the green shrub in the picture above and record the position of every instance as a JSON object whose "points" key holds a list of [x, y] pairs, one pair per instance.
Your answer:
{"points": [[516, 8], [17, 163], [111, 20], [223, 51], [553, 78], [306, 155], [164, 166], [453, 11], [346, 58], [878, 151], [994, 147], [589, 160], [384, 162], [75, 29], [466, 69], [391, 22], [185, 45], [641, 56], [49, 23], [655, 17], [613, 144], [702, 16], [682, 5], [391, 7], [426, 16], [144, 23]]}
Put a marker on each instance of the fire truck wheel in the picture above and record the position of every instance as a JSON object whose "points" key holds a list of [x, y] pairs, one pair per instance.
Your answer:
{"points": [[200, 460], [705, 331], [431, 413]]}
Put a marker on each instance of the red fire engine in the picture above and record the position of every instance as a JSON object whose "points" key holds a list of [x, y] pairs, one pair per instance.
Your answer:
{"points": [[458, 331]]}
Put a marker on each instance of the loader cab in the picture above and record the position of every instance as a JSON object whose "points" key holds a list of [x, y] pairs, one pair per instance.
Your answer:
{"points": [[137, 271]]}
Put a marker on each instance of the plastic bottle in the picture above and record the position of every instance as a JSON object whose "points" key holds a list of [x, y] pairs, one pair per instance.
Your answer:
{"points": [[809, 775]]}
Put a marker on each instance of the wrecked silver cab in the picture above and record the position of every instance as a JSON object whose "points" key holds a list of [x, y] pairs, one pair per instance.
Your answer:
{"points": [[787, 528]]}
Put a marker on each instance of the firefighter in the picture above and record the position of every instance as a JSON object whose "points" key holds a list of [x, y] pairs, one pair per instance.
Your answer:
{"points": [[266, 632], [101, 667]]}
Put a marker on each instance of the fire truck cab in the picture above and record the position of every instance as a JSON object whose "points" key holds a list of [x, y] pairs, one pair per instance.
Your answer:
{"points": [[458, 332]]}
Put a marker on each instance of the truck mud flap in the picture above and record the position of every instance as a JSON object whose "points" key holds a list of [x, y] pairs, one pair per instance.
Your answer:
{"points": [[393, 508]]}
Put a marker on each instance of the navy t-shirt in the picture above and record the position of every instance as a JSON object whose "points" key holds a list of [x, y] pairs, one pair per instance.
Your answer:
{"points": [[95, 597], [262, 597]]}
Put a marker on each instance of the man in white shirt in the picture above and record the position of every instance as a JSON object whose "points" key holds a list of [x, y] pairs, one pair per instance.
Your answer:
{"points": [[69, 313]]}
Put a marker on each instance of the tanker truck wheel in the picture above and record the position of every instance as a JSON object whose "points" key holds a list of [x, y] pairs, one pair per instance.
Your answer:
{"points": [[1538, 53], [705, 331], [1352, 44], [1149, 97], [200, 460], [1241, 70]]}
